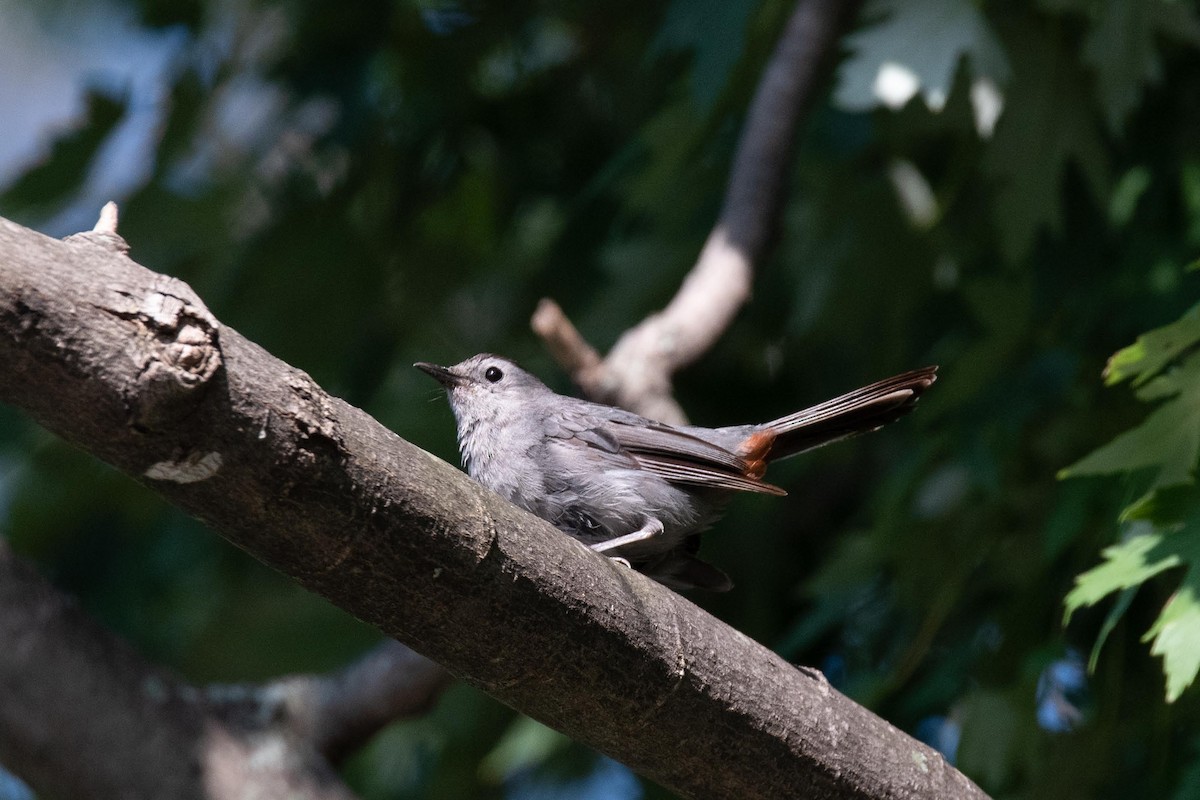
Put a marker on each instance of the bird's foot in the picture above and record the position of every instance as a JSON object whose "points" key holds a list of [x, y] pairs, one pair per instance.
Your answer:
{"points": [[649, 530]]}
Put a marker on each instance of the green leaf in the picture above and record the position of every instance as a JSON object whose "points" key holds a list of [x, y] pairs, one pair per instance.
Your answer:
{"points": [[1126, 565], [924, 39], [1164, 507], [1176, 635], [1122, 48], [1047, 124], [1168, 439], [1176, 632], [1124, 600], [1154, 350]]}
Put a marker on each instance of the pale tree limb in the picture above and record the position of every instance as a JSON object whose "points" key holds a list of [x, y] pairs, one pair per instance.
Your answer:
{"points": [[636, 374], [131, 366]]}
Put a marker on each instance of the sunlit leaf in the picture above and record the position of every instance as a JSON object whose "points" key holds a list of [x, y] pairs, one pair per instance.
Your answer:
{"points": [[1176, 635], [1128, 564], [1154, 350], [1167, 440]]}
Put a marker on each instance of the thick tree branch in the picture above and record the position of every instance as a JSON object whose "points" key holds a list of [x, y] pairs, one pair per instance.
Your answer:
{"points": [[130, 366], [637, 372]]}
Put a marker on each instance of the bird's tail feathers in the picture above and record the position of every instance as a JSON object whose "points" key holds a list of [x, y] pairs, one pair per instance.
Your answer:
{"points": [[866, 409]]}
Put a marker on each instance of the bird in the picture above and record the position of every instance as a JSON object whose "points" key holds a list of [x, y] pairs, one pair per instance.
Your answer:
{"points": [[629, 487]]}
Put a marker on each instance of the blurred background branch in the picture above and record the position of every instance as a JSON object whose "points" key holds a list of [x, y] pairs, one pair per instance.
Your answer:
{"points": [[636, 374], [86, 716]]}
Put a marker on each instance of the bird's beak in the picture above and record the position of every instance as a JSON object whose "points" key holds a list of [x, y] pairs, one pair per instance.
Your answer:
{"points": [[442, 375]]}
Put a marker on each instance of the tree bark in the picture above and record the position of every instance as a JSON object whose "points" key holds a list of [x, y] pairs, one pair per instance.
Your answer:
{"points": [[132, 367]]}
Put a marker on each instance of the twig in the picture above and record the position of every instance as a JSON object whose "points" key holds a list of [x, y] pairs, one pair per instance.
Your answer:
{"points": [[107, 223], [564, 341], [637, 372]]}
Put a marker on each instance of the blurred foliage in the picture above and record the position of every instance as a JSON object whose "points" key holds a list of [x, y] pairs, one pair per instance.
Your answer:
{"points": [[1011, 190]]}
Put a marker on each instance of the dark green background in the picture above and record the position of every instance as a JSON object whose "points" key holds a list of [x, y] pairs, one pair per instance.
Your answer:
{"points": [[358, 186]]}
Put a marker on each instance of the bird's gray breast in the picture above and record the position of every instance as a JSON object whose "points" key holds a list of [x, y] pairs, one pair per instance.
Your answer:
{"points": [[500, 451]]}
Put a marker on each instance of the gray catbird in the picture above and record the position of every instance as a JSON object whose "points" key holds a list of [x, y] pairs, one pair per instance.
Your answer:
{"points": [[628, 486]]}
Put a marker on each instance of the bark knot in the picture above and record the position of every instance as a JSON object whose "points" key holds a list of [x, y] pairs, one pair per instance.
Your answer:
{"points": [[176, 346]]}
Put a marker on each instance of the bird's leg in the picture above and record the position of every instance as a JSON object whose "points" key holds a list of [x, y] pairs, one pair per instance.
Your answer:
{"points": [[650, 528]]}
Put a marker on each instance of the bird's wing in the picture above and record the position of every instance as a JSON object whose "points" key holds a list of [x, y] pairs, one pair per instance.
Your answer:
{"points": [[668, 452]]}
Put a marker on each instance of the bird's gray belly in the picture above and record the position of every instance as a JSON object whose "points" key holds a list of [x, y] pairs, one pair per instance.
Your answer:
{"points": [[598, 507]]}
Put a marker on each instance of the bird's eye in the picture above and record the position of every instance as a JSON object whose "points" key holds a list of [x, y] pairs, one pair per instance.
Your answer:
{"points": [[493, 374]]}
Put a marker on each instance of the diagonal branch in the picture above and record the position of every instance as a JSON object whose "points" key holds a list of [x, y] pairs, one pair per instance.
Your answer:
{"points": [[131, 366], [637, 373]]}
